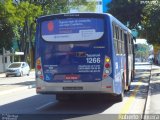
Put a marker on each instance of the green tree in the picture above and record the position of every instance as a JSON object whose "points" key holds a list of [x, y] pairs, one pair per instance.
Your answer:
{"points": [[83, 5], [64, 6], [28, 10], [127, 11], [6, 33], [142, 51], [151, 24], [18, 19], [24, 26]]}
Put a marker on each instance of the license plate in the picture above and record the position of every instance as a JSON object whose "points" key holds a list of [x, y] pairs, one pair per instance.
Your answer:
{"points": [[72, 88], [72, 77]]}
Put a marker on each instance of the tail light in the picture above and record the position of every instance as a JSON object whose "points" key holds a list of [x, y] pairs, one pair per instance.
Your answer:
{"points": [[107, 67], [39, 67], [39, 72]]}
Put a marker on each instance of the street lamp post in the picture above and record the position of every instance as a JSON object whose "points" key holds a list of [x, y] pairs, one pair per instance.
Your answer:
{"points": [[3, 58], [12, 55]]}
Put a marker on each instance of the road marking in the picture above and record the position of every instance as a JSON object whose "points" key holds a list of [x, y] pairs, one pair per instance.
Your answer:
{"points": [[130, 100], [45, 105]]}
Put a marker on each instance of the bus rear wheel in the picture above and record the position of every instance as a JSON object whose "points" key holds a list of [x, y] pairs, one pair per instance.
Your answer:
{"points": [[132, 76]]}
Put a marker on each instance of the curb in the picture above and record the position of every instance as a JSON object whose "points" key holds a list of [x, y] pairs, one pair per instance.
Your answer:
{"points": [[147, 109], [148, 99], [2, 74]]}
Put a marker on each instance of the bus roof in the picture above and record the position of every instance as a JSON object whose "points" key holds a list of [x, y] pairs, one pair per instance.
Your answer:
{"points": [[118, 22], [112, 18]]}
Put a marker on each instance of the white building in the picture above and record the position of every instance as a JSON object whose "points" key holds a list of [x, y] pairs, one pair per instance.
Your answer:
{"points": [[99, 6], [5, 60]]}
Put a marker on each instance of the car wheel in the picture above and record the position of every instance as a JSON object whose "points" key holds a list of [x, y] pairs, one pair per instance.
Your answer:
{"points": [[21, 74], [28, 73], [6, 75]]}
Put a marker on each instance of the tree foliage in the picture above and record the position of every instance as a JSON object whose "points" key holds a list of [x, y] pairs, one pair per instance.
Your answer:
{"points": [[6, 32], [24, 27], [142, 51], [127, 11], [83, 5], [137, 12], [151, 22], [17, 19]]}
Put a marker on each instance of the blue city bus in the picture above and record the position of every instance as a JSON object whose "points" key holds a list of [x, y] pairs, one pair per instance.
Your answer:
{"points": [[83, 53]]}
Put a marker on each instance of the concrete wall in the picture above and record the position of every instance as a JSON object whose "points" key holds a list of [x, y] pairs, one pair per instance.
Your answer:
{"points": [[4, 64], [1, 64]]}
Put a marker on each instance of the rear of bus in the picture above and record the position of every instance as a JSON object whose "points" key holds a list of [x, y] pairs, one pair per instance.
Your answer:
{"points": [[73, 54]]}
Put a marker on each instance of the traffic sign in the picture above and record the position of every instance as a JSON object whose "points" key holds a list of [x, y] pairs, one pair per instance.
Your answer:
{"points": [[134, 33]]}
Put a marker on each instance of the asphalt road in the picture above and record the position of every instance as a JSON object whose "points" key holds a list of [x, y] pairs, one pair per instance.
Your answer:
{"points": [[18, 97]]}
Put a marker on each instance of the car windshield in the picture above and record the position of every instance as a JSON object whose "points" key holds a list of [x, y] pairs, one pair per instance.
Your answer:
{"points": [[15, 65]]}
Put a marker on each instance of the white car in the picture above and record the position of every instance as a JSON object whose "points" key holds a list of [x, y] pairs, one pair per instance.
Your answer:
{"points": [[18, 69]]}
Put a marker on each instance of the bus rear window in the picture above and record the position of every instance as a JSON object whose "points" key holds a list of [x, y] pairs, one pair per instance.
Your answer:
{"points": [[72, 29]]}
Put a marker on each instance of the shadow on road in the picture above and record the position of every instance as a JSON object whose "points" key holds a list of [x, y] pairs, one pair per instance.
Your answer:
{"points": [[32, 107]]}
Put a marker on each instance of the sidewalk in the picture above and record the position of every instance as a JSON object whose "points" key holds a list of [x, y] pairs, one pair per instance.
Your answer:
{"points": [[2, 74], [153, 104]]}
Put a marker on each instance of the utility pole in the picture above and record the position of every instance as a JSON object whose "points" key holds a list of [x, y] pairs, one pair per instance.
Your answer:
{"points": [[3, 58], [12, 55]]}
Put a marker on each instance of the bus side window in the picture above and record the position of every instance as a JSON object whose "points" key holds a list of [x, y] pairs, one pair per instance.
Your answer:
{"points": [[128, 43], [119, 40], [114, 33], [130, 52], [131, 45], [125, 42], [122, 40], [115, 37]]}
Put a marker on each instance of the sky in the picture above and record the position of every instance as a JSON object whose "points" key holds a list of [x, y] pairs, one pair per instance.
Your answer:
{"points": [[104, 4], [101, 6], [144, 41], [141, 41]]}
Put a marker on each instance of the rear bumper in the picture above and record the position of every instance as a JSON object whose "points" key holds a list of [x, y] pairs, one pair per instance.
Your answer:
{"points": [[74, 92], [71, 88]]}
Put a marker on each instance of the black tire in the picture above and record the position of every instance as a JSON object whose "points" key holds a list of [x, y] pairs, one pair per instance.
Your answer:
{"points": [[120, 97], [6, 75], [132, 76], [129, 88], [28, 73], [21, 74]]}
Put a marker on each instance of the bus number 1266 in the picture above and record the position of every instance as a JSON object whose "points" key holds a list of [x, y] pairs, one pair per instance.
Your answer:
{"points": [[93, 60]]}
